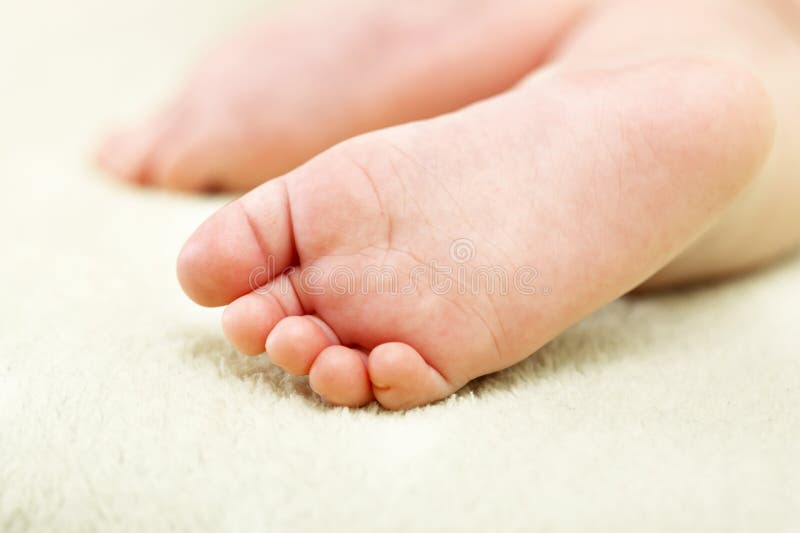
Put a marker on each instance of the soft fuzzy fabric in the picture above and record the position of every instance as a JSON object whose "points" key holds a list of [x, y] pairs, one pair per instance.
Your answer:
{"points": [[123, 408]]}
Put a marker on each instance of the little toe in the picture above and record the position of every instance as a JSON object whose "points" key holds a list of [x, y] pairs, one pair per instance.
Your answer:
{"points": [[339, 375], [296, 341], [402, 379], [248, 320]]}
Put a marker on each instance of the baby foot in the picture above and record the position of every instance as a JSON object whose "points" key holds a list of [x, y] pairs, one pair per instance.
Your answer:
{"points": [[293, 86], [378, 267]]}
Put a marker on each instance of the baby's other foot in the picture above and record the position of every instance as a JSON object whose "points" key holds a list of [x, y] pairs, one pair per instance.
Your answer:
{"points": [[294, 85], [402, 264]]}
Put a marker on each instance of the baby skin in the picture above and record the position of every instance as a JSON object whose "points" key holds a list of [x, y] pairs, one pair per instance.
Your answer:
{"points": [[576, 150]]}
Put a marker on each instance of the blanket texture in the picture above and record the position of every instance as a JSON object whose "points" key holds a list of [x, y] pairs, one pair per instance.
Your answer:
{"points": [[122, 407]]}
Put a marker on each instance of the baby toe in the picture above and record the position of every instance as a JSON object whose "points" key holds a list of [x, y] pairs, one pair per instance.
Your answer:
{"points": [[296, 341], [339, 376], [248, 320]]}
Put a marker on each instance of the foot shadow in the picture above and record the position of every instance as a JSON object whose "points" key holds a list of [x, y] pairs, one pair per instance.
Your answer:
{"points": [[605, 337], [257, 372], [600, 339]]}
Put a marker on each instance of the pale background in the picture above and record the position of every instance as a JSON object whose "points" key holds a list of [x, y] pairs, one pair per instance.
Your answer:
{"points": [[122, 408]]}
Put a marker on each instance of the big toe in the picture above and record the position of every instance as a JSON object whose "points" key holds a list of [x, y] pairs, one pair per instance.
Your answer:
{"points": [[123, 154], [339, 375], [241, 247], [206, 156], [129, 153]]}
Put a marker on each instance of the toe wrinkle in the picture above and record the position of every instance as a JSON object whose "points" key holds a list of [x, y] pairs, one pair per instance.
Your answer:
{"points": [[256, 232]]}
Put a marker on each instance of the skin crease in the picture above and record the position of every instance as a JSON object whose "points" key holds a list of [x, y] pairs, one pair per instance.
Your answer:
{"points": [[656, 147]]}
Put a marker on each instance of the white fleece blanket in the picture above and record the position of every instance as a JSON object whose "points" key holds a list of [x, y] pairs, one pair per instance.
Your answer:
{"points": [[122, 408]]}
